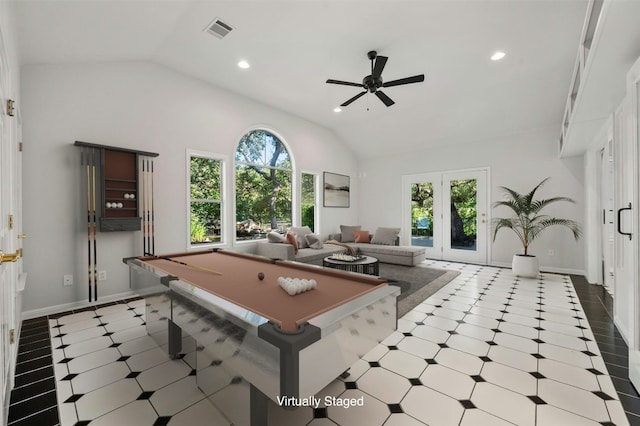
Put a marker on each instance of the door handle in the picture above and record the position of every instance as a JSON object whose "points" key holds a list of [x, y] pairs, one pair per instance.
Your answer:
{"points": [[10, 257], [620, 224]]}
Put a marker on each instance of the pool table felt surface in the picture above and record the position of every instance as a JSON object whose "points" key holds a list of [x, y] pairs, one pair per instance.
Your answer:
{"points": [[238, 283]]}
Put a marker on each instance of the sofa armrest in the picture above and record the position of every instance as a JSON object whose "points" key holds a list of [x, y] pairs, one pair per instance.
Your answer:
{"points": [[275, 250]]}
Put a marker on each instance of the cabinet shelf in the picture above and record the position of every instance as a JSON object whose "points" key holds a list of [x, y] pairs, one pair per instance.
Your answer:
{"points": [[119, 175], [120, 180]]}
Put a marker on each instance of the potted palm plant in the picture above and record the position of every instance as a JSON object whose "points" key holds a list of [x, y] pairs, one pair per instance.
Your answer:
{"points": [[527, 222]]}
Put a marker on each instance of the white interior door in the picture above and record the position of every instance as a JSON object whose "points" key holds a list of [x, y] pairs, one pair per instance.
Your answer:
{"points": [[446, 213], [628, 266], [607, 230], [10, 220]]}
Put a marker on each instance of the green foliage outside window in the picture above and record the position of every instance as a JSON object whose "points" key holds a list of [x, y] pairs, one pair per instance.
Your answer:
{"points": [[205, 197], [463, 203], [308, 202], [263, 185]]}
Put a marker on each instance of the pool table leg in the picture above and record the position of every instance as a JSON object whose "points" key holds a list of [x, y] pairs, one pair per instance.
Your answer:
{"points": [[175, 339], [259, 407], [290, 345]]}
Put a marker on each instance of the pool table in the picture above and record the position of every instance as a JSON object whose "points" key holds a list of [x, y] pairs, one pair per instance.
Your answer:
{"points": [[245, 326]]}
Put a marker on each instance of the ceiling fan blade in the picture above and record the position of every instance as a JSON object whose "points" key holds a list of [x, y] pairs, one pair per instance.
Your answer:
{"points": [[384, 98], [407, 80], [353, 99], [381, 61], [345, 83]]}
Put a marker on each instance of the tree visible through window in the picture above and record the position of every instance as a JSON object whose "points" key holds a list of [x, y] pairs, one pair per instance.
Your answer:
{"points": [[308, 202], [263, 185], [205, 198]]}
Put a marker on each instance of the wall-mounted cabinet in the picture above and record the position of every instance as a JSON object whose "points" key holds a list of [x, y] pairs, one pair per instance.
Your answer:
{"points": [[116, 187]]}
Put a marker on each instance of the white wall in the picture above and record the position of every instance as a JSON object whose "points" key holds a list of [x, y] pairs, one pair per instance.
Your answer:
{"points": [[150, 108], [519, 161]]}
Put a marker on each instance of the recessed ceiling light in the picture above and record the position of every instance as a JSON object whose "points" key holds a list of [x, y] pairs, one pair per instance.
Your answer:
{"points": [[337, 109], [243, 64], [498, 55]]}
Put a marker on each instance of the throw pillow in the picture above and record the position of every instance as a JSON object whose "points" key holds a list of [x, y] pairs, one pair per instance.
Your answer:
{"points": [[301, 232], [361, 236], [291, 239], [385, 236], [347, 233], [276, 237], [313, 241]]}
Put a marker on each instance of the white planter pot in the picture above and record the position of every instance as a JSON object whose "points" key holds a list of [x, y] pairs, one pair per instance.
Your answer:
{"points": [[525, 266]]}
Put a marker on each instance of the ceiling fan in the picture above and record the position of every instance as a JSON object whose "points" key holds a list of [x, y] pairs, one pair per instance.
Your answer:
{"points": [[373, 82]]}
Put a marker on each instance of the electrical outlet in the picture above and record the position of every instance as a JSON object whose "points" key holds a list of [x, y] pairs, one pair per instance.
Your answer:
{"points": [[102, 275], [67, 280], [551, 252]]}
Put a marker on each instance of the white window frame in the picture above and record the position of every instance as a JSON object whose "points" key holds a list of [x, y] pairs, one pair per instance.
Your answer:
{"points": [[224, 160]]}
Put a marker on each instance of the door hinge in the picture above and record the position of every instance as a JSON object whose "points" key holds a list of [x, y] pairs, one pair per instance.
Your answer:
{"points": [[20, 147], [12, 336], [10, 221]]}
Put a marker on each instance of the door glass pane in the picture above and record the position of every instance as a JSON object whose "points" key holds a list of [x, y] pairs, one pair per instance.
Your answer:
{"points": [[422, 214], [464, 214]]}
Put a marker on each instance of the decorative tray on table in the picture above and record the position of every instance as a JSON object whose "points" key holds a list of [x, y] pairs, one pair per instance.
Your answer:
{"points": [[346, 257]]}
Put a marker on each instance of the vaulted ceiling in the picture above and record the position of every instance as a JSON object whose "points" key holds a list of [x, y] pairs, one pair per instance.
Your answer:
{"points": [[293, 47]]}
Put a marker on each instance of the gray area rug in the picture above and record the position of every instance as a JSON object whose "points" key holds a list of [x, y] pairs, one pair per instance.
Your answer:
{"points": [[416, 283]]}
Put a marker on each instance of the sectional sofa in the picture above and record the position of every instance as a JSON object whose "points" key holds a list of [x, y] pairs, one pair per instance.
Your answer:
{"points": [[382, 244]]}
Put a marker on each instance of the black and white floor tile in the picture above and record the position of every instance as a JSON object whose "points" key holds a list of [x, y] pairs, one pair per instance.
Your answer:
{"points": [[486, 349]]}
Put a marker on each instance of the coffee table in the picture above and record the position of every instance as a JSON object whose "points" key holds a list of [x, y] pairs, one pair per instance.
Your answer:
{"points": [[366, 265]]}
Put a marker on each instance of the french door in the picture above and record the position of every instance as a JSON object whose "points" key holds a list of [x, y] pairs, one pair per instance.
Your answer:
{"points": [[446, 213]]}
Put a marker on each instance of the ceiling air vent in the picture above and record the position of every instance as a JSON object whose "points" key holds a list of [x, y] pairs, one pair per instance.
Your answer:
{"points": [[218, 28]]}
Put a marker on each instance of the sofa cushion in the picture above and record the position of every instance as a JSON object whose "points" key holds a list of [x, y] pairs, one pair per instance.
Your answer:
{"points": [[385, 236], [291, 239], [301, 232], [361, 236], [276, 237], [313, 241], [347, 233]]}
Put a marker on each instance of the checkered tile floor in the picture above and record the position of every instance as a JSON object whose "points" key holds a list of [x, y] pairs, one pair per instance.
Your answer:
{"points": [[487, 349]]}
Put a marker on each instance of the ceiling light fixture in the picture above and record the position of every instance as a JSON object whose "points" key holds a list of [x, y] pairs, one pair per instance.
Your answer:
{"points": [[337, 109], [243, 64], [498, 55]]}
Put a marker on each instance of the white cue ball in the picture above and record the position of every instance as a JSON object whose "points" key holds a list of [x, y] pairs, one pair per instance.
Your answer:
{"points": [[119, 205]]}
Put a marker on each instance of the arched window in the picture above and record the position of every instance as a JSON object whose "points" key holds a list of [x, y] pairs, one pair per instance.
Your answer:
{"points": [[263, 185]]}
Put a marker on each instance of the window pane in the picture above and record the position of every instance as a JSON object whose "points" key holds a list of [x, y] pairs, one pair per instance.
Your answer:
{"points": [[263, 201], [308, 189], [464, 214], [205, 223], [308, 201], [263, 185], [422, 214], [262, 148], [205, 179]]}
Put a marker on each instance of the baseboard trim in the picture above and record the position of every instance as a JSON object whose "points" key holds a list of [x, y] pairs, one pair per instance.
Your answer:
{"points": [[35, 313], [549, 269]]}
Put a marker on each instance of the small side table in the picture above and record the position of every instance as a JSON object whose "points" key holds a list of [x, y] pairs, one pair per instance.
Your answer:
{"points": [[366, 265]]}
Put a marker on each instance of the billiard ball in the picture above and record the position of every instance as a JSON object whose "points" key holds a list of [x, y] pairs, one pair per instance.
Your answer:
{"points": [[260, 276]]}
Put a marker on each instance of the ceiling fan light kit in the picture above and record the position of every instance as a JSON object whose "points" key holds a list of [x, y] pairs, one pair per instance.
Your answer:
{"points": [[373, 82]]}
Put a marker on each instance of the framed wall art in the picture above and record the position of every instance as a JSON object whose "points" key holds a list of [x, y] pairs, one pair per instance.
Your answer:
{"points": [[336, 190]]}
